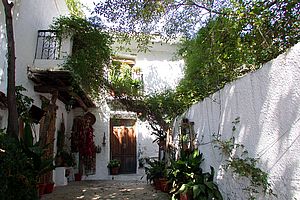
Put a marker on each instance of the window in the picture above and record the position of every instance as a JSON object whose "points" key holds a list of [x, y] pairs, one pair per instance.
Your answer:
{"points": [[48, 45]]}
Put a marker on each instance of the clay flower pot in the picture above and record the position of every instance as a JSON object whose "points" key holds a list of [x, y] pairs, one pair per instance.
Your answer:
{"points": [[78, 177], [41, 188], [114, 170], [49, 188]]}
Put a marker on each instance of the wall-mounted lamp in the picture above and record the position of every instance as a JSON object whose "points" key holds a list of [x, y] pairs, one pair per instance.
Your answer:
{"points": [[104, 140], [69, 105]]}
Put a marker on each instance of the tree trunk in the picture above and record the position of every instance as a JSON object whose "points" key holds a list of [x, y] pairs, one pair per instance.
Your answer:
{"points": [[13, 127]]}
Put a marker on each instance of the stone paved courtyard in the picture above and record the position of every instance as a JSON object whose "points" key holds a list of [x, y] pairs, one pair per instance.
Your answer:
{"points": [[106, 190]]}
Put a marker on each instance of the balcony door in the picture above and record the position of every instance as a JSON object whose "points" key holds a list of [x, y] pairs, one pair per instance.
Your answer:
{"points": [[123, 144]]}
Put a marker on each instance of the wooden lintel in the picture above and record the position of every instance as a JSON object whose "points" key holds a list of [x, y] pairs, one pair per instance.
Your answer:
{"points": [[49, 89], [80, 101]]}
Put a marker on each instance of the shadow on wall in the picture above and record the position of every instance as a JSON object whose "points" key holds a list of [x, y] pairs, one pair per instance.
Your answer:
{"points": [[162, 75], [267, 102], [146, 147]]}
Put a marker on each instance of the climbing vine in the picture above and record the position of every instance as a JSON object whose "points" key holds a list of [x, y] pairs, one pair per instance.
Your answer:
{"points": [[240, 163], [91, 51]]}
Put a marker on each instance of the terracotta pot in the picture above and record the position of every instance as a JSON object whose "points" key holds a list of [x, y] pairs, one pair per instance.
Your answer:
{"points": [[156, 184], [164, 186], [186, 196], [41, 189], [114, 171], [77, 177], [49, 188]]}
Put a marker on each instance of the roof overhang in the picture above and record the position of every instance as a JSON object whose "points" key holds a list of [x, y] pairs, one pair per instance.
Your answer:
{"points": [[51, 80]]}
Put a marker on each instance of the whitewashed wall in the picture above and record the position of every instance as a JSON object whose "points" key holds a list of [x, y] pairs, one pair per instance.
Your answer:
{"points": [[160, 67], [161, 70], [267, 102], [29, 17]]}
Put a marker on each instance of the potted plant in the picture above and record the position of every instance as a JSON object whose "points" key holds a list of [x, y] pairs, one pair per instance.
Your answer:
{"points": [[189, 181], [114, 166], [155, 171], [49, 187]]}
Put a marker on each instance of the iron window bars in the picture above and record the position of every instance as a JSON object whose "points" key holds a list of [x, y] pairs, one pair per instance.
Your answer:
{"points": [[48, 45]]}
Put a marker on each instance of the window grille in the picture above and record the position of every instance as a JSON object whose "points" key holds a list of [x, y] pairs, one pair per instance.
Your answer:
{"points": [[48, 45]]}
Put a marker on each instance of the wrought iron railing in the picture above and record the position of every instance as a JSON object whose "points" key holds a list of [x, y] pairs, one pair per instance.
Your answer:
{"points": [[48, 45]]}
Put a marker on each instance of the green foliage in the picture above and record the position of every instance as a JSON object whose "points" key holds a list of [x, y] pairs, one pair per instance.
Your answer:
{"points": [[247, 167], [231, 45], [23, 103], [164, 17], [90, 54], [164, 105], [184, 169], [155, 170], [240, 163], [75, 8], [159, 109], [114, 163], [187, 176], [235, 37], [18, 181], [202, 187], [122, 82]]}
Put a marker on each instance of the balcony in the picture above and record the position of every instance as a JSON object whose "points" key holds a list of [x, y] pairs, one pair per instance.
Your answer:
{"points": [[51, 51], [48, 75]]}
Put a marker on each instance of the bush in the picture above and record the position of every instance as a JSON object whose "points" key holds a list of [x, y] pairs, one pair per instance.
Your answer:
{"points": [[17, 179]]}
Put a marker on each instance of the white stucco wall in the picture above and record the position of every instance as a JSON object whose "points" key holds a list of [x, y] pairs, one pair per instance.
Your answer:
{"points": [[267, 102], [29, 17], [161, 70]]}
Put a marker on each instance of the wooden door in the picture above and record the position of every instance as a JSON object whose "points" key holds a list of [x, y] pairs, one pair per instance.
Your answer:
{"points": [[123, 144]]}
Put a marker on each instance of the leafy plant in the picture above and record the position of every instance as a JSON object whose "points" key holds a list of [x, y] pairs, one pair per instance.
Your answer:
{"points": [[23, 103], [16, 171], [121, 81], [90, 54], [114, 163], [184, 169], [155, 170], [187, 176], [240, 163], [202, 187]]}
